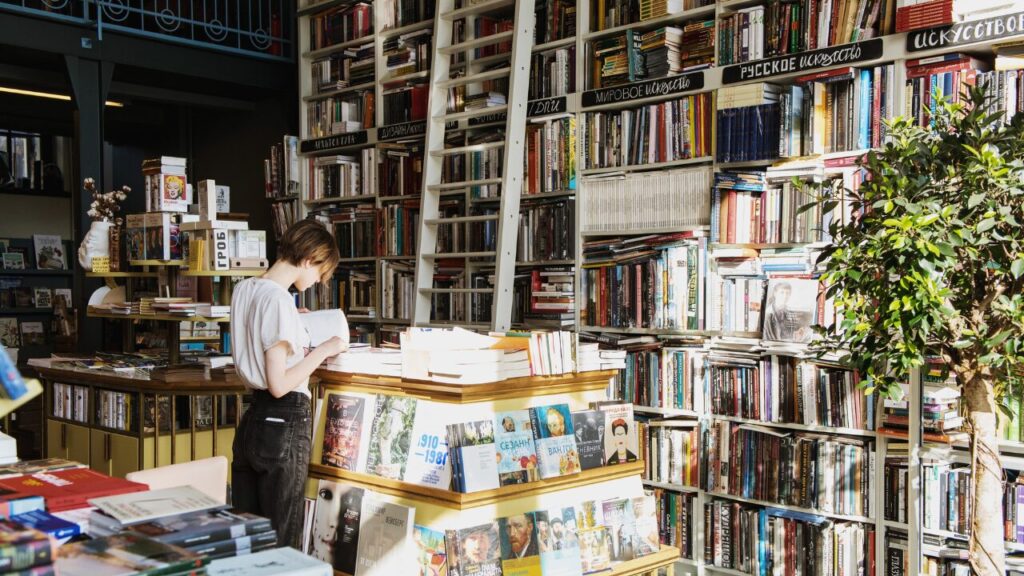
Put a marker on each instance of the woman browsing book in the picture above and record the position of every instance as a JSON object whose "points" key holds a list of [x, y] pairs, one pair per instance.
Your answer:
{"points": [[271, 350]]}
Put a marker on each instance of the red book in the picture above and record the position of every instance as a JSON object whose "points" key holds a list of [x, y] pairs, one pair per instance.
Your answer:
{"points": [[70, 489]]}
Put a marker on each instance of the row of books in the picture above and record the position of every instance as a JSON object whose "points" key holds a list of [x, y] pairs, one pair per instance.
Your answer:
{"points": [[833, 475], [675, 521], [282, 216], [545, 231], [765, 540], [408, 53], [386, 169], [281, 170], [668, 199], [554, 20], [663, 132], [340, 114], [614, 13], [400, 13], [649, 282], [398, 292], [550, 156], [406, 103], [552, 73], [338, 176], [551, 294], [340, 24], [662, 376], [670, 449], [351, 67]]}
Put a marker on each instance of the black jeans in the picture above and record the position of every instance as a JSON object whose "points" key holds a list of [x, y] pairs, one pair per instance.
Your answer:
{"points": [[271, 460]]}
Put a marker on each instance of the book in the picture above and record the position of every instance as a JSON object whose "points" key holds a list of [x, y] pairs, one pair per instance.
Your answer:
{"points": [[346, 424], [513, 439], [560, 547], [123, 555], [620, 438], [189, 530], [335, 532], [68, 489], [236, 546], [23, 547], [595, 549], [431, 555], [390, 435], [274, 562], [138, 507], [50, 252], [33, 334], [10, 336], [790, 309], [474, 551], [474, 455], [385, 538], [557, 453], [589, 429], [520, 548], [58, 528], [13, 261], [428, 462], [621, 525]]}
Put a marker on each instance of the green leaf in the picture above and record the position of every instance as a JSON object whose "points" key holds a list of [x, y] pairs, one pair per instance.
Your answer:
{"points": [[1017, 268], [986, 225], [975, 199]]}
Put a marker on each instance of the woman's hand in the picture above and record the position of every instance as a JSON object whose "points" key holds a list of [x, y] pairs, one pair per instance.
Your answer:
{"points": [[333, 347]]}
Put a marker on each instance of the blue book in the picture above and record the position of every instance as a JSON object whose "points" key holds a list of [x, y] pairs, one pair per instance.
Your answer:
{"points": [[13, 384], [43, 521], [866, 96]]}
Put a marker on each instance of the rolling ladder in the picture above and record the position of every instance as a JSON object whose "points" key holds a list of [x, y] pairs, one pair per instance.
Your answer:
{"points": [[440, 120]]}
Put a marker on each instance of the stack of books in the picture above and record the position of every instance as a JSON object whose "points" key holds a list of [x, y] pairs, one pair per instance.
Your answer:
{"points": [[351, 67], [918, 14], [591, 357], [125, 554], [183, 517], [748, 127], [660, 49], [271, 562], [618, 60], [23, 548], [367, 360]]}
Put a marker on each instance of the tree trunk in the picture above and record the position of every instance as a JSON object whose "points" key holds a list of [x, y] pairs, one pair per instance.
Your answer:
{"points": [[987, 549]]}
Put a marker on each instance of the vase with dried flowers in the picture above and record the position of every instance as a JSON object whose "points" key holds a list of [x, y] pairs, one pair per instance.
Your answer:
{"points": [[102, 210]]}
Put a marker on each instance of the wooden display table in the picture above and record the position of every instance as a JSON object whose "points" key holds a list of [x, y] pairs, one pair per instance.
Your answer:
{"points": [[95, 417]]}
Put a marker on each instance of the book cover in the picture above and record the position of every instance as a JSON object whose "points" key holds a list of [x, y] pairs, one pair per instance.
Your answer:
{"points": [[58, 528], [595, 553], [645, 519], [275, 562], [620, 439], [385, 539], [33, 334], [431, 556], [588, 427], [125, 554], [195, 529], [556, 445], [477, 456], [137, 507], [344, 428], [23, 547], [621, 525], [520, 548], [790, 309], [67, 489], [10, 336], [390, 436], [428, 463], [517, 456], [479, 551], [244, 544], [335, 534], [49, 252], [559, 542]]}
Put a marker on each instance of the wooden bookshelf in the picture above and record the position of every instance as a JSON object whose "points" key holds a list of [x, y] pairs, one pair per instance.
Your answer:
{"points": [[461, 501], [468, 393]]}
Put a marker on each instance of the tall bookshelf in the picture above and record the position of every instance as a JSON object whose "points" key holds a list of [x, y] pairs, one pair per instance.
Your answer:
{"points": [[782, 64]]}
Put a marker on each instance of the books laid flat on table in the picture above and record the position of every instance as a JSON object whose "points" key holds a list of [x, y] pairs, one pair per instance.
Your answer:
{"points": [[125, 554], [26, 467], [58, 528], [190, 530], [134, 508], [68, 489], [22, 548], [274, 562]]}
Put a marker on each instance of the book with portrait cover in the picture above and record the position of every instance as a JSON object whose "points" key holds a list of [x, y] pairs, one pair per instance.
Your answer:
{"points": [[335, 535], [517, 456], [588, 427], [431, 556], [428, 462], [474, 551], [620, 438], [345, 422], [560, 547], [557, 453], [618, 519], [390, 436], [520, 548]]}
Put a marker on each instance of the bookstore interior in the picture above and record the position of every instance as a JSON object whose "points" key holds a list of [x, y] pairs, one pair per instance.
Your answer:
{"points": [[623, 287]]}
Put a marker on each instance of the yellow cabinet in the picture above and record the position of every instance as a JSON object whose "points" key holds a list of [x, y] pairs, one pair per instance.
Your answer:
{"points": [[70, 441], [183, 447], [114, 454]]}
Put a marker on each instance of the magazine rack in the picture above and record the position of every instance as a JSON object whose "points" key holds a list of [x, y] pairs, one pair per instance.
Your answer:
{"points": [[444, 509]]}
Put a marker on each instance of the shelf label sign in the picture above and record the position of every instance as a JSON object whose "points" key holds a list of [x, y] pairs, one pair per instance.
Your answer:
{"points": [[488, 119], [405, 130], [335, 141], [645, 89], [975, 31], [541, 107], [804, 61]]}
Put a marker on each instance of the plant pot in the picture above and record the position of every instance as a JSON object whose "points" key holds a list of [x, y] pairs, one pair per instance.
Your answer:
{"points": [[95, 243]]}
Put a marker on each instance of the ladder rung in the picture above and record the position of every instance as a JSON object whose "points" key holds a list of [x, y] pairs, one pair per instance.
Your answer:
{"points": [[460, 219], [476, 43], [470, 148], [457, 290], [472, 113], [464, 184], [479, 77], [442, 256], [477, 9]]}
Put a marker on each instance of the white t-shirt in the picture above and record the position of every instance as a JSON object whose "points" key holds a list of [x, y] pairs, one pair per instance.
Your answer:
{"points": [[263, 314]]}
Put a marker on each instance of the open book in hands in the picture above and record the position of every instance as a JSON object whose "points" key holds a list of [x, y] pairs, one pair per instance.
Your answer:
{"points": [[323, 325]]}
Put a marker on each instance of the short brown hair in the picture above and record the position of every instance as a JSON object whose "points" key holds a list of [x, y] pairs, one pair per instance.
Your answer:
{"points": [[309, 240]]}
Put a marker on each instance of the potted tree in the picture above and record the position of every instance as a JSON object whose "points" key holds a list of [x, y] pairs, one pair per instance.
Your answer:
{"points": [[933, 263]]}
